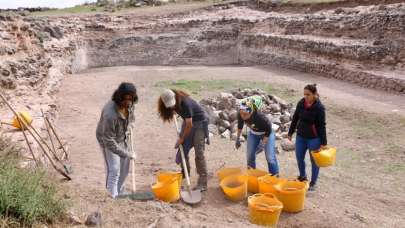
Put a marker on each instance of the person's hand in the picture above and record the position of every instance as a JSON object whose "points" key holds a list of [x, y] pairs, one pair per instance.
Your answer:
{"points": [[179, 142], [265, 140], [132, 156], [238, 144]]}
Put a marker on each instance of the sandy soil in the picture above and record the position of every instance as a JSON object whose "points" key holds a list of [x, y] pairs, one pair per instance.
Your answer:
{"points": [[349, 195]]}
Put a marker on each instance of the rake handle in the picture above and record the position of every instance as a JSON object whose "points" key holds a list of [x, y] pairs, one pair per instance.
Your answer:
{"points": [[32, 134]]}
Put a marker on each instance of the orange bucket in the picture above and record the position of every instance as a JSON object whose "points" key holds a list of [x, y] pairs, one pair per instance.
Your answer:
{"points": [[235, 187], [253, 175], [24, 116], [292, 195], [225, 172], [166, 176], [267, 183], [264, 209], [324, 157]]}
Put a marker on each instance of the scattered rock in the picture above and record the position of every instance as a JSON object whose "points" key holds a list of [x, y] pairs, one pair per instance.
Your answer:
{"points": [[233, 115], [213, 129], [275, 127], [223, 115], [94, 219], [74, 219], [225, 124], [226, 134], [54, 31], [287, 145], [275, 108]]}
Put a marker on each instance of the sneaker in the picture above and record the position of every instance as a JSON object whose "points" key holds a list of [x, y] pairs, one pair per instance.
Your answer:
{"points": [[302, 179], [312, 187]]}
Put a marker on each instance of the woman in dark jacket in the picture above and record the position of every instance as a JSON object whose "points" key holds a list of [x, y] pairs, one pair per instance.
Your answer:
{"points": [[309, 121]]}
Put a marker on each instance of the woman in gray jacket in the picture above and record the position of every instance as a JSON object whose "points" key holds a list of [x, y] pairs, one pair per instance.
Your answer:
{"points": [[112, 130]]}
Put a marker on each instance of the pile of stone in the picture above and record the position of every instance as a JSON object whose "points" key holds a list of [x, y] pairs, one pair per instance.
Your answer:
{"points": [[223, 113]]}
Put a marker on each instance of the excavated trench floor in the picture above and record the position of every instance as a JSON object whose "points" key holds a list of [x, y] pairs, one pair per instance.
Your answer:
{"points": [[343, 199]]}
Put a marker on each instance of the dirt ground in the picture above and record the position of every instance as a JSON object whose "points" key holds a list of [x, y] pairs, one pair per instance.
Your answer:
{"points": [[362, 190]]}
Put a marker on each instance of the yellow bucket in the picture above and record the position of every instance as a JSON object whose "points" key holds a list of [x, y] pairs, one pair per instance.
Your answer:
{"points": [[292, 195], [324, 157], [167, 191], [267, 183], [167, 176], [235, 187], [25, 116], [222, 173], [253, 175], [264, 209]]}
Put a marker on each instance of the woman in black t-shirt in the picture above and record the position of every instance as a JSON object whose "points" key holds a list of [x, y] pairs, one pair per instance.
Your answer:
{"points": [[194, 131]]}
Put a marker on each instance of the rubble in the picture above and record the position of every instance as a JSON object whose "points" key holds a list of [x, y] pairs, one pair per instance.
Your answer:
{"points": [[223, 112]]}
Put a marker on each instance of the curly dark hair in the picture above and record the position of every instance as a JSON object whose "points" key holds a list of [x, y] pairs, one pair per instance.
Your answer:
{"points": [[167, 114], [125, 88]]}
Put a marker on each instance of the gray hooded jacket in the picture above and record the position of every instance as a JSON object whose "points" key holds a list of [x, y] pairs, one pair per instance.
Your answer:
{"points": [[113, 129]]}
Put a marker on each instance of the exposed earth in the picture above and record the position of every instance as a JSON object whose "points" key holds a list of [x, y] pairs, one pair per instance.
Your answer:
{"points": [[69, 65]]}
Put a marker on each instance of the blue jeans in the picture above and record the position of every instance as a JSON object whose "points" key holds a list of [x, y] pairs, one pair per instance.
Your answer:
{"points": [[301, 147], [117, 171], [253, 142]]}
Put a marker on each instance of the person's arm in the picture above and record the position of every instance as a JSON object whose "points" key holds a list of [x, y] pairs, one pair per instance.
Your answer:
{"points": [[109, 138], [321, 122], [265, 123], [294, 122], [241, 123], [186, 130]]}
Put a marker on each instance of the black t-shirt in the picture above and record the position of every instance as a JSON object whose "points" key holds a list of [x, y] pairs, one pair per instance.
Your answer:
{"points": [[191, 109], [257, 122]]}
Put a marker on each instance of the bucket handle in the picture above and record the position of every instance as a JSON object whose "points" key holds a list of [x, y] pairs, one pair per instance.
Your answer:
{"points": [[262, 206]]}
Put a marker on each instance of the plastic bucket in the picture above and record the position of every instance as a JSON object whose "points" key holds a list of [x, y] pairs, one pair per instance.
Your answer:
{"points": [[25, 116], [324, 157], [167, 190], [235, 187], [253, 183], [267, 183], [292, 195], [166, 176], [225, 172], [264, 209]]}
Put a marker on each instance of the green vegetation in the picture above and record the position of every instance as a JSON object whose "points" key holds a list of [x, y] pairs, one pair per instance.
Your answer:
{"points": [[27, 196], [196, 87], [75, 9]]}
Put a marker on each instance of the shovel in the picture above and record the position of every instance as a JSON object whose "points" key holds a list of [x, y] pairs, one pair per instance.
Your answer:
{"points": [[135, 195], [189, 196]]}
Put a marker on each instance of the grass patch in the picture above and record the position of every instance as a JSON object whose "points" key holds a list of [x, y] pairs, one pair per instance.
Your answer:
{"points": [[74, 10], [197, 87], [395, 168], [347, 158], [27, 196]]}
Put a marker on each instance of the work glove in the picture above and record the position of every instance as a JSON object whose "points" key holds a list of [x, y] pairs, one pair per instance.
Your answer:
{"points": [[238, 143]]}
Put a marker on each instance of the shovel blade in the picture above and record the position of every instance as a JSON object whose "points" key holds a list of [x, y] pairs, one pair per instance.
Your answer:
{"points": [[191, 197]]}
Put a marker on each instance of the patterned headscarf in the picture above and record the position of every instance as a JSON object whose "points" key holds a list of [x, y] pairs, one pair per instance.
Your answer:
{"points": [[251, 104]]}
